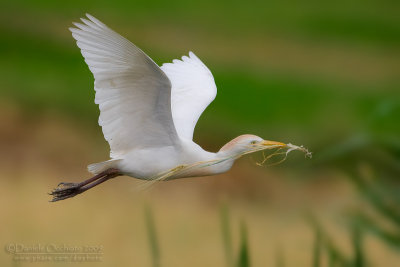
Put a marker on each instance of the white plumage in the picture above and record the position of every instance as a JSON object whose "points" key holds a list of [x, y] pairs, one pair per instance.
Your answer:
{"points": [[133, 94], [193, 89], [148, 114]]}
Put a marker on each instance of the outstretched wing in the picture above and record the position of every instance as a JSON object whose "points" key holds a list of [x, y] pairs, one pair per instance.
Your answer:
{"points": [[133, 94], [193, 89]]}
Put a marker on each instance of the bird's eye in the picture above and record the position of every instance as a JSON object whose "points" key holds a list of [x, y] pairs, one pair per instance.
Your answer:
{"points": [[253, 142]]}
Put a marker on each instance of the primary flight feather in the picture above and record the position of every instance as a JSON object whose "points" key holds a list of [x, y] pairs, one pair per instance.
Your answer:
{"points": [[148, 113]]}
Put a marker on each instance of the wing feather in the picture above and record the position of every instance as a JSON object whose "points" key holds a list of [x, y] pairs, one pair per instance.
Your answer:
{"points": [[193, 89], [133, 93]]}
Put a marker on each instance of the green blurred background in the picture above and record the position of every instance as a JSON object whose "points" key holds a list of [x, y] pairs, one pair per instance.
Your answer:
{"points": [[322, 74]]}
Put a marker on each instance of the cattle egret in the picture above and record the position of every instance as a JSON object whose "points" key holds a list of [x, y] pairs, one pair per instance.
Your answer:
{"points": [[148, 113]]}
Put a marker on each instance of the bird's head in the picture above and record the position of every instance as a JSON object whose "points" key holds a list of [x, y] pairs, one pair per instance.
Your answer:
{"points": [[248, 143]]}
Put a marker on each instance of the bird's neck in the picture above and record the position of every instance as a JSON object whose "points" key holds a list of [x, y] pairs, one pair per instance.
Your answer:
{"points": [[225, 156], [223, 162], [228, 150], [220, 161]]}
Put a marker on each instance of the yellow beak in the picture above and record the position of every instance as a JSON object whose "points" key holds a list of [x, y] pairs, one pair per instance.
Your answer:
{"points": [[272, 143]]}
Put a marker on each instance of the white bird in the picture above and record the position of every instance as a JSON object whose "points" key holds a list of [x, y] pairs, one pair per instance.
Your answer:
{"points": [[148, 113]]}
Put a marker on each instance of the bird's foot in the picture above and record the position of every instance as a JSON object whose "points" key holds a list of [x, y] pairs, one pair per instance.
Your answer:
{"points": [[68, 190], [65, 190], [67, 185]]}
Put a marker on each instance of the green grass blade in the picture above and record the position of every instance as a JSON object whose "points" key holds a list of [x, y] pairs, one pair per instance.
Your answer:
{"points": [[391, 238], [332, 257], [359, 258], [379, 200], [335, 256], [151, 233], [243, 257], [226, 234], [317, 249], [280, 258]]}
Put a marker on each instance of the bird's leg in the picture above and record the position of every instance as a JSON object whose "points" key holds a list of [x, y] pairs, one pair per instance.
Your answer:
{"points": [[68, 190]]}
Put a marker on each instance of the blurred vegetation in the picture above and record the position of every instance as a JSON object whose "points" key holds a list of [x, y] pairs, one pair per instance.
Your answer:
{"points": [[242, 257], [152, 235], [322, 74], [371, 161], [43, 69]]}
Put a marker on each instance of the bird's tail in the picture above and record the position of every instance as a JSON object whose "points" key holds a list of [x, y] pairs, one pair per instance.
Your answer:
{"points": [[99, 167]]}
